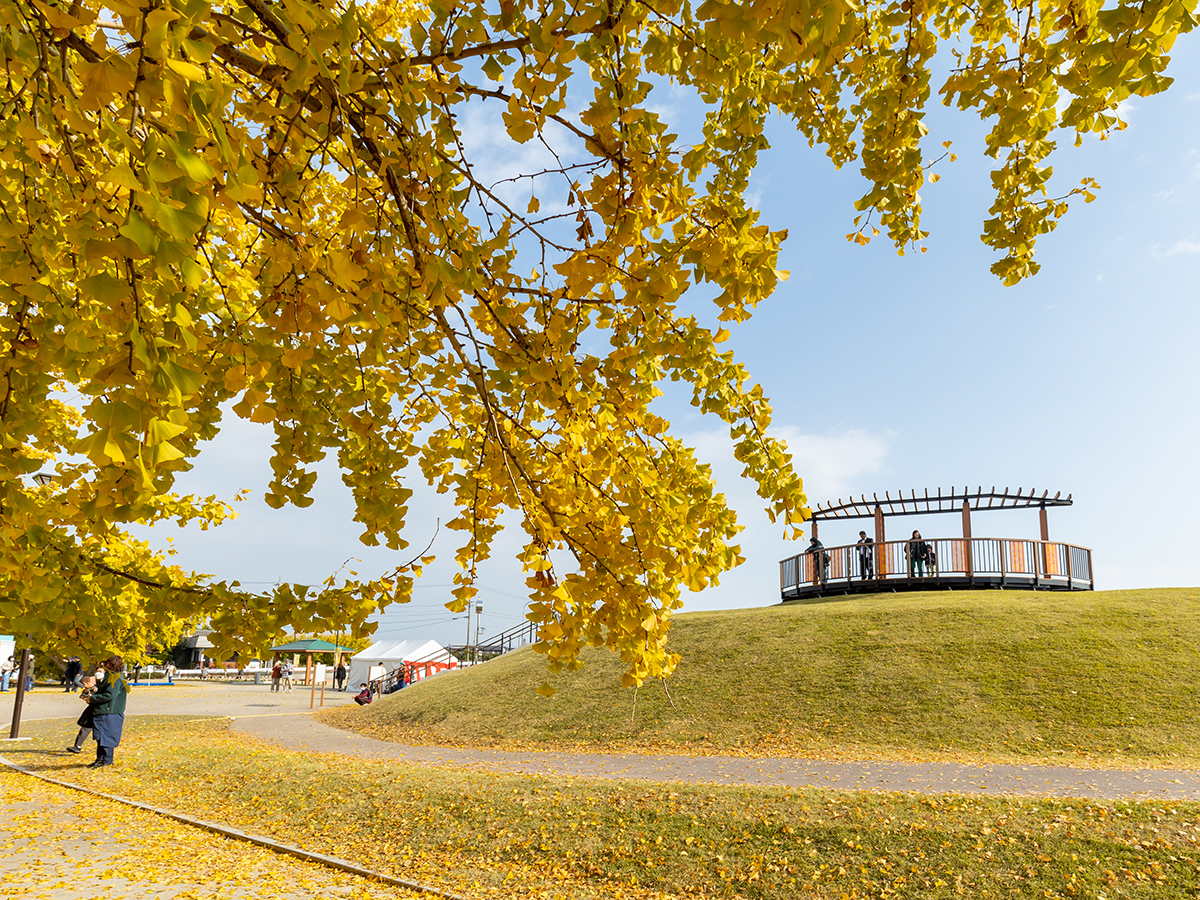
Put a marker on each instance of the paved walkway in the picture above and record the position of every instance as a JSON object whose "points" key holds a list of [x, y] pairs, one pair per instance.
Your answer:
{"points": [[304, 733], [188, 698], [283, 719]]}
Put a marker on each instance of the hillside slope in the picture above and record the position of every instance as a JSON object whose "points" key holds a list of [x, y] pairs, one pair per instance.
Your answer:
{"points": [[1108, 676]]}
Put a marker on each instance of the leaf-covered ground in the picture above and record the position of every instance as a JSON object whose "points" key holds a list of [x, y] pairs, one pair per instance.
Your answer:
{"points": [[59, 844], [537, 837], [1085, 679]]}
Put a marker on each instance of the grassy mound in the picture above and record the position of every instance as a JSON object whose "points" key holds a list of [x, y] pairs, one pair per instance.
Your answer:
{"points": [[1106, 676]]}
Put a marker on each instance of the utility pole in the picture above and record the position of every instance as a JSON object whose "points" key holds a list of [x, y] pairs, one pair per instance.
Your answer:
{"points": [[478, 612]]}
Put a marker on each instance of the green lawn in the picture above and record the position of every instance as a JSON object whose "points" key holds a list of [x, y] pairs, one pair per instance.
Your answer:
{"points": [[1105, 678], [485, 835]]}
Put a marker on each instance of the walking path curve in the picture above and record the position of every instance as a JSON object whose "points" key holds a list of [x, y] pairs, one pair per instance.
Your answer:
{"points": [[305, 733], [283, 719]]}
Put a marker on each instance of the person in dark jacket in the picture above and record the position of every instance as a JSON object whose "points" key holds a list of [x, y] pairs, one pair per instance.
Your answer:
{"points": [[339, 676], [85, 721], [73, 674], [108, 711], [820, 560], [866, 556], [918, 555]]}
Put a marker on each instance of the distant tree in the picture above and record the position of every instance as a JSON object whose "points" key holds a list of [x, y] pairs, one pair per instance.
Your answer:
{"points": [[270, 207]]}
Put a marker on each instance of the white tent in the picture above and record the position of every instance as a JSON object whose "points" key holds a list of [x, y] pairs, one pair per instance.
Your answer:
{"points": [[387, 656]]}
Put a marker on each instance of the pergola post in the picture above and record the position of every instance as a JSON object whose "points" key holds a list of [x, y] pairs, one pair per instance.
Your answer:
{"points": [[880, 537], [968, 559], [1045, 548]]}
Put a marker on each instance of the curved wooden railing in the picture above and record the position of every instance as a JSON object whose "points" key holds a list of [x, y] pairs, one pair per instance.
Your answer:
{"points": [[978, 562]]}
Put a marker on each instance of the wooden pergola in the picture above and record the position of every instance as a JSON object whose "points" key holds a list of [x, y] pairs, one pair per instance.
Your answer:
{"points": [[952, 562], [914, 505]]}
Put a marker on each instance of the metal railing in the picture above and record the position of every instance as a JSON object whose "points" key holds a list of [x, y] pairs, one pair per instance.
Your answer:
{"points": [[497, 645], [413, 670], [513, 638], [946, 562]]}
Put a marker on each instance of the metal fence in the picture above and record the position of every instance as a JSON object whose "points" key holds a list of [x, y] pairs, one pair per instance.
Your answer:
{"points": [[497, 645], [984, 562]]}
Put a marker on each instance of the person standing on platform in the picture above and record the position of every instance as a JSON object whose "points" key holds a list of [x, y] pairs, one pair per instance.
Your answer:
{"points": [[108, 711], [918, 553], [866, 556], [820, 560]]}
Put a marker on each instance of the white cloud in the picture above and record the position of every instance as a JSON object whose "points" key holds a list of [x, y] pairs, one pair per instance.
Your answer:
{"points": [[830, 464], [1187, 245], [497, 157], [834, 462]]}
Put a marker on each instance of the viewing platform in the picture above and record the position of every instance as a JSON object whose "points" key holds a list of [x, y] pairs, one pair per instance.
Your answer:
{"points": [[940, 563]]}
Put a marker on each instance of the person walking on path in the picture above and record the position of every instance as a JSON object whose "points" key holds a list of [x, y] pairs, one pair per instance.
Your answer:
{"points": [[108, 711], [6, 670], [276, 674], [73, 673], [288, 671], [866, 556], [85, 720], [339, 675]]}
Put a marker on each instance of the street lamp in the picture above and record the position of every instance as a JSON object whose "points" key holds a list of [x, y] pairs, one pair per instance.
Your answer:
{"points": [[478, 613], [43, 478]]}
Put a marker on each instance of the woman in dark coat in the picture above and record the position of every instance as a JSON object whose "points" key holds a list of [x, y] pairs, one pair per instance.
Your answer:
{"points": [[918, 555], [108, 711]]}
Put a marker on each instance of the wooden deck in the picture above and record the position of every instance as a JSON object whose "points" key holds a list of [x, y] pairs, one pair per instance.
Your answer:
{"points": [[961, 563]]}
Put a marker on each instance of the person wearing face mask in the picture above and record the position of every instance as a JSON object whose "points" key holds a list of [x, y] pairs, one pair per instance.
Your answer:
{"points": [[108, 711]]}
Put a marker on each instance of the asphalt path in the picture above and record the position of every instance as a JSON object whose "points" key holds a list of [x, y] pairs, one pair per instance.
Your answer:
{"points": [[285, 720]]}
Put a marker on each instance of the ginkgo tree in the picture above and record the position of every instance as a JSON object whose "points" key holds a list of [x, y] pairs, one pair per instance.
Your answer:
{"points": [[267, 208]]}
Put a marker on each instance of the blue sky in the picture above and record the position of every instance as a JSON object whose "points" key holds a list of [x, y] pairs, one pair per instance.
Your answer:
{"points": [[890, 372]]}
